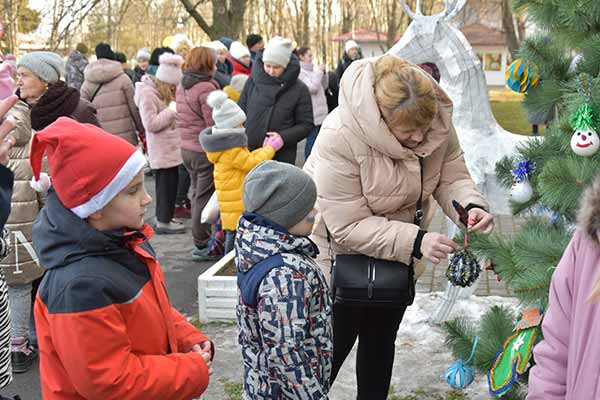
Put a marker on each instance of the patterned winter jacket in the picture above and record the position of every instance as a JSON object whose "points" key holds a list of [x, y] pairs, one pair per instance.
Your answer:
{"points": [[74, 69], [284, 316]]}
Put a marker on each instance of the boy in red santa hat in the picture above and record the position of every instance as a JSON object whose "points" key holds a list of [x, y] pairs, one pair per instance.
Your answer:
{"points": [[106, 328]]}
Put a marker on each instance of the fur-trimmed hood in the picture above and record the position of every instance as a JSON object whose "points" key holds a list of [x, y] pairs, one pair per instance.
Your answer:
{"points": [[589, 212], [214, 140]]}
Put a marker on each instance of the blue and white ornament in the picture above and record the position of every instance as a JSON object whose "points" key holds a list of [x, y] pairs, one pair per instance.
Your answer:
{"points": [[522, 191], [463, 269], [460, 375]]}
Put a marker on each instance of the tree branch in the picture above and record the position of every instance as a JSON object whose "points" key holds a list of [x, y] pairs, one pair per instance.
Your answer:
{"points": [[191, 9]]}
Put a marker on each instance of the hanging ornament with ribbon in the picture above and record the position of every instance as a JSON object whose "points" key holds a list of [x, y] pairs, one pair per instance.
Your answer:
{"points": [[460, 375], [463, 268], [585, 141], [522, 191]]}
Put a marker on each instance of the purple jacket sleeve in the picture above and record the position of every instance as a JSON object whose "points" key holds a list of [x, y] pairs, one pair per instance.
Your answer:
{"points": [[548, 378]]}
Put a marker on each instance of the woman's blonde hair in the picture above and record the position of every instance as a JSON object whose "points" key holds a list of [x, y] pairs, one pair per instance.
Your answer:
{"points": [[166, 91], [589, 221], [404, 93]]}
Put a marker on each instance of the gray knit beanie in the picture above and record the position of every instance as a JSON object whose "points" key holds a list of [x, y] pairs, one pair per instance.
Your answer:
{"points": [[48, 66], [279, 192], [278, 51]]}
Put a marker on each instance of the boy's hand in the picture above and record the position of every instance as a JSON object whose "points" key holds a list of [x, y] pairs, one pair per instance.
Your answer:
{"points": [[205, 350]]}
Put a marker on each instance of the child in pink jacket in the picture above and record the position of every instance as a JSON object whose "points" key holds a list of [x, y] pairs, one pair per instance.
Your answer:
{"points": [[568, 359]]}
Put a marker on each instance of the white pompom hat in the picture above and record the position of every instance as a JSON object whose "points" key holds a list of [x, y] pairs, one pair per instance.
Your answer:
{"points": [[226, 113]]}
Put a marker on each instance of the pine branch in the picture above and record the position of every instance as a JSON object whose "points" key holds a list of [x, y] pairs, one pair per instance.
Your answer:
{"points": [[496, 326], [460, 336]]}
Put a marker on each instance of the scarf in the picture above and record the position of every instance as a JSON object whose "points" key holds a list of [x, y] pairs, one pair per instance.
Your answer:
{"points": [[58, 101]]}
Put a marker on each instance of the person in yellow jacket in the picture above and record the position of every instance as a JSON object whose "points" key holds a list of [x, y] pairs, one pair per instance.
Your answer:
{"points": [[235, 88], [226, 146]]}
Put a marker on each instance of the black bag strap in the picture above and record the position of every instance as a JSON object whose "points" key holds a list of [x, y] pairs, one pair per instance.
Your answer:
{"points": [[418, 213], [95, 92]]}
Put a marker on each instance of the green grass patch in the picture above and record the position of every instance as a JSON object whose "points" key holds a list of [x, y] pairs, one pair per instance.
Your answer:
{"points": [[422, 394], [233, 390]]}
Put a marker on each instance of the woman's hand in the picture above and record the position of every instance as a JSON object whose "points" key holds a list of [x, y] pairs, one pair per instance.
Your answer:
{"points": [[480, 221], [436, 247]]}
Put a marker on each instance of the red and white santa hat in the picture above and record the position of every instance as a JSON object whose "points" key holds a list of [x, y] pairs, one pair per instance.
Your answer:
{"points": [[89, 166]]}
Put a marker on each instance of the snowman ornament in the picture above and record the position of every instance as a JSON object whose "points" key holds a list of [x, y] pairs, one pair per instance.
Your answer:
{"points": [[585, 142], [522, 191]]}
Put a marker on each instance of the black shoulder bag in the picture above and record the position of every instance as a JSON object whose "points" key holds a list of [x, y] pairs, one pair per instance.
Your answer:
{"points": [[367, 281]]}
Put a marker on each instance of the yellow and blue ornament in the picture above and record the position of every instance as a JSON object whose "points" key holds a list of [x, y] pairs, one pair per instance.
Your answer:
{"points": [[460, 375], [463, 268], [522, 75]]}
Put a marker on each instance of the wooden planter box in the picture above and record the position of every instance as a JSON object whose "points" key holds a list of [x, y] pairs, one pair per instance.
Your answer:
{"points": [[217, 295]]}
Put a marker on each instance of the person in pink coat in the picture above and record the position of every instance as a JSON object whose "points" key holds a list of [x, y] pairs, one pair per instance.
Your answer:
{"points": [[568, 359], [155, 98]]}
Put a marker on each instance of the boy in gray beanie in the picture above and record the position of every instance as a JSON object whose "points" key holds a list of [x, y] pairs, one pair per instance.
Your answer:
{"points": [[284, 310]]}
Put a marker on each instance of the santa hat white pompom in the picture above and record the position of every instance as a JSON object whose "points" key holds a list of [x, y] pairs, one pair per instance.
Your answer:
{"points": [[42, 185], [216, 99]]}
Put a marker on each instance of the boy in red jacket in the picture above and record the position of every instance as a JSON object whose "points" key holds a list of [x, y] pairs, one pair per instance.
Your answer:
{"points": [[106, 328]]}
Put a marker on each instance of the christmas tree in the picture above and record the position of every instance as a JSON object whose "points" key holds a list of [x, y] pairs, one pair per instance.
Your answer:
{"points": [[558, 69]]}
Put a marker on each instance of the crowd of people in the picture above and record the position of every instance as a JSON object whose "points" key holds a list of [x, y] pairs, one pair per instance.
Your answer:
{"points": [[224, 118]]}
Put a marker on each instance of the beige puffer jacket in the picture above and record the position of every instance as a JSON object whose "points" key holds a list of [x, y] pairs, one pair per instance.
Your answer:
{"points": [[26, 205], [368, 184], [114, 103]]}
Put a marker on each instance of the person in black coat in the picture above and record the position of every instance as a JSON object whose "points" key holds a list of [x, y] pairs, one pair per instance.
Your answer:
{"points": [[352, 53], [275, 101]]}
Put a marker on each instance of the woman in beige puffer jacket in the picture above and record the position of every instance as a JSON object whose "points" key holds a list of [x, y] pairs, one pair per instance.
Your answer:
{"points": [[366, 167], [113, 100]]}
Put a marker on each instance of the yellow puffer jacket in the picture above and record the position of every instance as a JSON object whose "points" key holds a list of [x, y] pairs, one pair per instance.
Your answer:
{"points": [[228, 150]]}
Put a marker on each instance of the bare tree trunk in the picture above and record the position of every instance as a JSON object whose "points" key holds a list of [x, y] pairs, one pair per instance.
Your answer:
{"points": [[508, 26]]}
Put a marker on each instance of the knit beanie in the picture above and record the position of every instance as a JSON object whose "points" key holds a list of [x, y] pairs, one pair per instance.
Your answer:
{"points": [[169, 70], [278, 51], [238, 82], [143, 55], [226, 41], [6, 81], [238, 51], [351, 44], [280, 192], [89, 166], [103, 50], [215, 45], [82, 48], [226, 113], [253, 39], [46, 65]]}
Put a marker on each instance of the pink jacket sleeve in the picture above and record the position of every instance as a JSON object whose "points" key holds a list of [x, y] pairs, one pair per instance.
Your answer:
{"points": [[547, 379]]}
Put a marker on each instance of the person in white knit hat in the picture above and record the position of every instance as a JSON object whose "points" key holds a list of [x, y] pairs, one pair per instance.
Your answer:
{"points": [[224, 65], [226, 146], [352, 53], [143, 61], [277, 55], [240, 57], [155, 97]]}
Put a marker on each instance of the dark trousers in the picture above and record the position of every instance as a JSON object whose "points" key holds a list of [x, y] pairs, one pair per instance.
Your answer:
{"points": [[166, 181], [310, 141], [183, 187], [229, 241], [376, 329], [202, 183]]}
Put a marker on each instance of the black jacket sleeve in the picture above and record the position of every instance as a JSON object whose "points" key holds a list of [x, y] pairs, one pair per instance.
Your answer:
{"points": [[6, 188], [303, 118]]}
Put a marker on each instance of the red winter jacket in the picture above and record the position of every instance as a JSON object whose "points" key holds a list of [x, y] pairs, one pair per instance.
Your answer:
{"points": [[239, 68], [106, 328]]}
